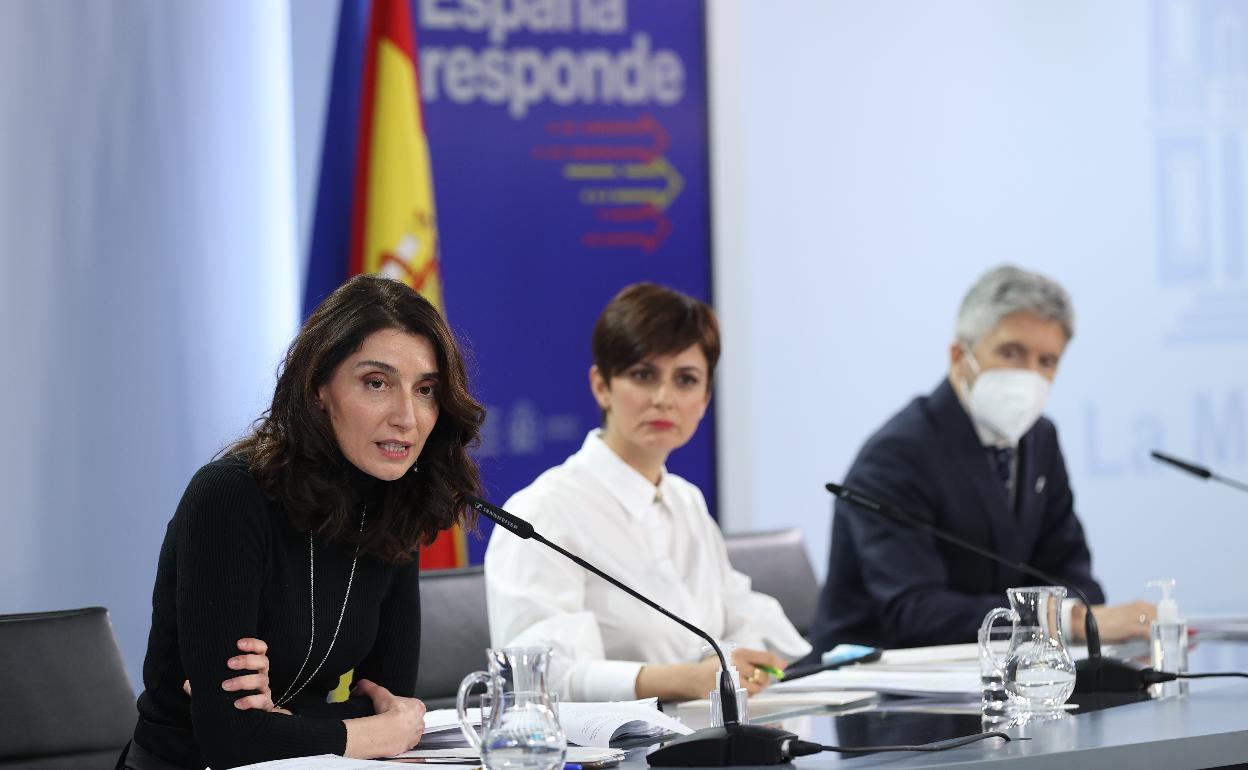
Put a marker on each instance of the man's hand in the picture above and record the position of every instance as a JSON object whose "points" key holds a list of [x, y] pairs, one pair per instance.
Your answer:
{"points": [[1118, 622]]}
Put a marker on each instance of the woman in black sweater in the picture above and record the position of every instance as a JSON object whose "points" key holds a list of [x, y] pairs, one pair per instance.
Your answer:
{"points": [[304, 535]]}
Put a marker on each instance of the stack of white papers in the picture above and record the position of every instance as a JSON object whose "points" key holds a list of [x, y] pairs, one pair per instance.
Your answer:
{"points": [[948, 680], [941, 654], [593, 725], [948, 670], [576, 754], [1233, 627], [598, 724], [586, 724], [320, 762], [442, 728], [771, 700]]}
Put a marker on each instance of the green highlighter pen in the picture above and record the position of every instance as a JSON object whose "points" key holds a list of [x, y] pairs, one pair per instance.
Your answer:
{"points": [[774, 672]]}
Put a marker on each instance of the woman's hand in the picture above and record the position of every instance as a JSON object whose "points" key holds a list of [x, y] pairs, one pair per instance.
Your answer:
{"points": [[689, 681], [254, 659], [396, 726], [747, 662]]}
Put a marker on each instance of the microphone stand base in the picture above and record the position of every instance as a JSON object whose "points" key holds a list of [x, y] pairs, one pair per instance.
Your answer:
{"points": [[1098, 675], [733, 746]]}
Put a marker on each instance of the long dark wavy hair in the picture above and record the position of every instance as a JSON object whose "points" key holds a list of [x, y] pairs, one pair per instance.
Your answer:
{"points": [[291, 450]]}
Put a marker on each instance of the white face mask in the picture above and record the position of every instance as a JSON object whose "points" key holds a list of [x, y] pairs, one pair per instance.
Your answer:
{"points": [[1007, 401]]}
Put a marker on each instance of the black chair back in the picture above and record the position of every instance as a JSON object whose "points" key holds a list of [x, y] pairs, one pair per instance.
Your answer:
{"points": [[65, 700], [454, 632]]}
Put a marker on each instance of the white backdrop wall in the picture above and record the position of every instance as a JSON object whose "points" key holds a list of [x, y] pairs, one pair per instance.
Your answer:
{"points": [[872, 159], [147, 277], [158, 164]]}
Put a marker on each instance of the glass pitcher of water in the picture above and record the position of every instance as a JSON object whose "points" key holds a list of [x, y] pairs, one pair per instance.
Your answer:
{"points": [[1036, 669], [520, 726]]}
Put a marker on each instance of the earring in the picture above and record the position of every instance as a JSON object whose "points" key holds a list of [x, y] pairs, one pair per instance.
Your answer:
{"points": [[415, 468]]}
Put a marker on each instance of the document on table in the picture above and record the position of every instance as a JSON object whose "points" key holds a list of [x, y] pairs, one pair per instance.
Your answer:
{"points": [[442, 728], [933, 704], [945, 680], [320, 762], [1233, 627], [576, 754], [940, 654], [597, 724], [772, 701], [949, 671], [586, 724], [591, 725]]}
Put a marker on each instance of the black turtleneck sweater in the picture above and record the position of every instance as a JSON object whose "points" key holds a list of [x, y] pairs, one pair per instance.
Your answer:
{"points": [[232, 565]]}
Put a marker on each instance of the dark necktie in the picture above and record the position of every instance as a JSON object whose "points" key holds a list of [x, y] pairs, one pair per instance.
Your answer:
{"points": [[1003, 460]]}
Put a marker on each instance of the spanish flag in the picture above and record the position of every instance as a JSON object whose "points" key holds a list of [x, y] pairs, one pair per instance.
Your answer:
{"points": [[374, 208]]}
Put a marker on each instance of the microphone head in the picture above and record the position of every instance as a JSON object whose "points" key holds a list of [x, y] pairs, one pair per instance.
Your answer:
{"points": [[516, 525], [859, 499], [1182, 465]]}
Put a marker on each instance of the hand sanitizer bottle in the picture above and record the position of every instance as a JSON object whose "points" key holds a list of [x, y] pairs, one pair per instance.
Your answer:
{"points": [[717, 711], [1168, 641]]}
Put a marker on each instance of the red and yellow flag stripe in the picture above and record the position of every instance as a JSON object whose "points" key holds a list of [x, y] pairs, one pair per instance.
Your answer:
{"points": [[393, 222]]}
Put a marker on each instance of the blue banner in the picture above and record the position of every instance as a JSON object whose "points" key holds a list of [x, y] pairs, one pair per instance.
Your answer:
{"points": [[335, 190], [569, 146]]}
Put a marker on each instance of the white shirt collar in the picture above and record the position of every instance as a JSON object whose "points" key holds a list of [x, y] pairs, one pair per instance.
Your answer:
{"points": [[626, 484]]}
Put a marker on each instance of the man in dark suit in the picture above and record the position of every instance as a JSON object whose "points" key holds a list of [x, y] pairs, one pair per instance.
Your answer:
{"points": [[976, 459]]}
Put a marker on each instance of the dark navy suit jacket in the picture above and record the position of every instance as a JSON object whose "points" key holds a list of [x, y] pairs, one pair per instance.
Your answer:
{"points": [[890, 586]]}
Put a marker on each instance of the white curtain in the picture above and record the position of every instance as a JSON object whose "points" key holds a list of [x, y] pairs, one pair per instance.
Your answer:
{"points": [[148, 277]]}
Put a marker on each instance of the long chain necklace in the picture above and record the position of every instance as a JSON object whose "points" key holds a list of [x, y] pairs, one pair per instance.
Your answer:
{"points": [[288, 695]]}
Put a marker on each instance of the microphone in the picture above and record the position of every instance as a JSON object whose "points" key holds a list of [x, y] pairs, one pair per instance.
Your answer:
{"points": [[1197, 470], [1095, 674], [734, 744]]}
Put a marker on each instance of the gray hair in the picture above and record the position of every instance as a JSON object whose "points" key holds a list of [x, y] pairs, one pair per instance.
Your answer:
{"points": [[1007, 289]]}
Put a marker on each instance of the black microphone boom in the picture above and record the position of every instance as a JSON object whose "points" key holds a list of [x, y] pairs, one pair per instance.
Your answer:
{"points": [[1095, 674], [734, 744], [1197, 470]]}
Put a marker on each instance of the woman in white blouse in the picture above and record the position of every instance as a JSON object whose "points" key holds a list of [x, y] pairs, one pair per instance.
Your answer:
{"points": [[613, 502]]}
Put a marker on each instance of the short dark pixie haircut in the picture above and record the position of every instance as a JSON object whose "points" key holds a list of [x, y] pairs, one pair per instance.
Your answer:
{"points": [[646, 319]]}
